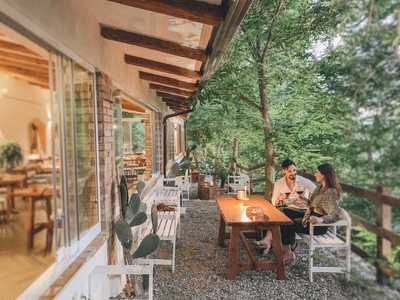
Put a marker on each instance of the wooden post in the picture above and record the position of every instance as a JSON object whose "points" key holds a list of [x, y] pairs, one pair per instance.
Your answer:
{"points": [[384, 220]]}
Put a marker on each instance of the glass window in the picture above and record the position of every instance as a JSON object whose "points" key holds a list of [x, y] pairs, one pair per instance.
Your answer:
{"points": [[85, 152], [75, 96]]}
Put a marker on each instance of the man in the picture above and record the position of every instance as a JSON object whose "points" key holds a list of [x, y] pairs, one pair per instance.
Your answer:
{"points": [[292, 189], [291, 192]]}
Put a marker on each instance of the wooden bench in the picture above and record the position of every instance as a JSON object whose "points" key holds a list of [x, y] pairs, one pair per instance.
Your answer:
{"points": [[168, 228]]}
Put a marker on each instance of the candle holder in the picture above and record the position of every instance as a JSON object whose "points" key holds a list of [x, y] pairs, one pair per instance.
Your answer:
{"points": [[242, 195]]}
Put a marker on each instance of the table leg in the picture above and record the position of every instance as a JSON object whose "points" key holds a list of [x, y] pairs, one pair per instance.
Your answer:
{"points": [[278, 251], [9, 202], [31, 219], [233, 255], [221, 232]]}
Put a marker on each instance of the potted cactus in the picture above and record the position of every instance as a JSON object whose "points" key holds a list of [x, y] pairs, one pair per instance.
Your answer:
{"points": [[10, 154], [133, 213]]}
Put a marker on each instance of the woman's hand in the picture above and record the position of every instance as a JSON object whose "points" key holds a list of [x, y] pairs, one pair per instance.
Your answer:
{"points": [[281, 197], [316, 220]]}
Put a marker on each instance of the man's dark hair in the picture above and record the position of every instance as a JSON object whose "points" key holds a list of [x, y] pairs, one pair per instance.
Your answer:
{"points": [[287, 163]]}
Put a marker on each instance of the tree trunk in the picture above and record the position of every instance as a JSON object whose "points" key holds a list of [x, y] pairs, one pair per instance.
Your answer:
{"points": [[398, 31], [269, 169], [235, 153]]}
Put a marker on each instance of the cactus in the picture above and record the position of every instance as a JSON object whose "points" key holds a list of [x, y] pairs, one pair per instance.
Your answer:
{"points": [[154, 218], [140, 187], [123, 193], [138, 219], [124, 233], [134, 214]]}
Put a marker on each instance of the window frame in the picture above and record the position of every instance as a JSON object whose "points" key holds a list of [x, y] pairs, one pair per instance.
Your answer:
{"points": [[71, 249]]}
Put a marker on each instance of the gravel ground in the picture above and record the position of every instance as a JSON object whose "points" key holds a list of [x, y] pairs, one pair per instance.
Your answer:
{"points": [[201, 265]]}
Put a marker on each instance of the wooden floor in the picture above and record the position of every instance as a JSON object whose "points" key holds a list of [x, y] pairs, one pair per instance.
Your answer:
{"points": [[18, 267]]}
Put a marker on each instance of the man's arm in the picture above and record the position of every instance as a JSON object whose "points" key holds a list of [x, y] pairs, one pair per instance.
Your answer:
{"points": [[310, 185], [275, 193]]}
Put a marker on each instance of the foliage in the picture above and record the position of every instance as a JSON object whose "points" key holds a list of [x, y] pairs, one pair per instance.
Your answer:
{"points": [[10, 154], [331, 81], [134, 214]]}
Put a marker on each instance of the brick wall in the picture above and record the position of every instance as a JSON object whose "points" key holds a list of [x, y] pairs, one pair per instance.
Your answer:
{"points": [[148, 145], [105, 109], [86, 158]]}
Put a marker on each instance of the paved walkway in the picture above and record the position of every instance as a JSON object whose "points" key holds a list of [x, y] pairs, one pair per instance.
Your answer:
{"points": [[201, 264]]}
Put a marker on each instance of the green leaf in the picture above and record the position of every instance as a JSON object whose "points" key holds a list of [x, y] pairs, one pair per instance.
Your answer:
{"points": [[154, 218], [123, 191], [124, 233], [134, 203], [138, 219], [140, 187], [148, 245]]}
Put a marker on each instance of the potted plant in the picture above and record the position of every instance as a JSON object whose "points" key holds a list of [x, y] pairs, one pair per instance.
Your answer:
{"points": [[10, 155]]}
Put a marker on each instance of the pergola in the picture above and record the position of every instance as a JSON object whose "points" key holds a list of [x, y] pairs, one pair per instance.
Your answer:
{"points": [[175, 45]]}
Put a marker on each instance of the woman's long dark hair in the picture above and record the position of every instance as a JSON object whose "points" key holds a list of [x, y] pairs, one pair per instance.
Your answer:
{"points": [[330, 177]]}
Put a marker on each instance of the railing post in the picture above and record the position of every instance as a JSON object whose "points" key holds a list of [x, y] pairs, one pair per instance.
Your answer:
{"points": [[384, 220]]}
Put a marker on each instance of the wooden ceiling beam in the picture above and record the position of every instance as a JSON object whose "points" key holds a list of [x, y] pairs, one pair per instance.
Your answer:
{"points": [[163, 88], [24, 72], [172, 97], [35, 68], [190, 10], [43, 86], [10, 46], [178, 107], [152, 43], [174, 102], [23, 76], [23, 58], [168, 81], [179, 100], [161, 67]]}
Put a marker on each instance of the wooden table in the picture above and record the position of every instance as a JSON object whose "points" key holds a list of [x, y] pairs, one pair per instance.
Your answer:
{"points": [[11, 181], [235, 214], [34, 194]]}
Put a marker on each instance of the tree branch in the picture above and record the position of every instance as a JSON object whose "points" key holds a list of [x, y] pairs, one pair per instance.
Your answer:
{"points": [[250, 168], [271, 27], [252, 47], [250, 102]]}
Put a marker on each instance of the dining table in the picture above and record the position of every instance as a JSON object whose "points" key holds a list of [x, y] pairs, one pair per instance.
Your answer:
{"points": [[11, 181], [34, 194], [246, 217]]}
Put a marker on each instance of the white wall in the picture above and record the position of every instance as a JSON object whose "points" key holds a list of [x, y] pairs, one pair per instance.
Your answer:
{"points": [[20, 104], [77, 287], [72, 26]]}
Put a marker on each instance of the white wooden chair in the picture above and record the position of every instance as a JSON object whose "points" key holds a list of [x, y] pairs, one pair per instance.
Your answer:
{"points": [[237, 183], [332, 241], [140, 266], [169, 226], [183, 183]]}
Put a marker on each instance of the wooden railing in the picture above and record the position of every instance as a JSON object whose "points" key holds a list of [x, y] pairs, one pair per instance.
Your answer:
{"points": [[385, 237]]}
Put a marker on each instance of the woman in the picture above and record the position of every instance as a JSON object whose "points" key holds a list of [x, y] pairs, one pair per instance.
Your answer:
{"points": [[323, 208]]}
